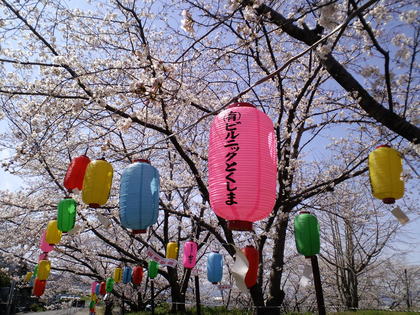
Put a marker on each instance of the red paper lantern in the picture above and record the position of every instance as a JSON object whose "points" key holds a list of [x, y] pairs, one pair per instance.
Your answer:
{"points": [[39, 287], [137, 275], [242, 162], [102, 288], [75, 173], [251, 253]]}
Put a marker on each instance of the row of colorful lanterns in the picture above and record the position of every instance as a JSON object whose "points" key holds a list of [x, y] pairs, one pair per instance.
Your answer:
{"points": [[307, 239], [50, 237], [242, 177], [242, 167], [139, 189]]}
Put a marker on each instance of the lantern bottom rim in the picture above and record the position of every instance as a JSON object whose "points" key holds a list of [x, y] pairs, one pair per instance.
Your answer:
{"points": [[388, 200], [94, 205], [238, 225], [139, 231]]}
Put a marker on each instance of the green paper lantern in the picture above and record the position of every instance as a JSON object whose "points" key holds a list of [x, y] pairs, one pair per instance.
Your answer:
{"points": [[109, 284], [307, 234], [66, 216], [152, 269], [35, 274]]}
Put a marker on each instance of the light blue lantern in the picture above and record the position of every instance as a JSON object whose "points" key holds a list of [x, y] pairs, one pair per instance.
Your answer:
{"points": [[98, 288], [126, 278], [214, 267], [139, 196]]}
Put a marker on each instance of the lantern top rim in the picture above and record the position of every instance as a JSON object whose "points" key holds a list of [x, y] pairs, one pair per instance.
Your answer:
{"points": [[142, 161], [304, 212], [383, 146], [241, 104]]}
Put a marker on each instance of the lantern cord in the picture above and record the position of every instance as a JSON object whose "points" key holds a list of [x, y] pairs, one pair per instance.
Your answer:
{"points": [[86, 151]]}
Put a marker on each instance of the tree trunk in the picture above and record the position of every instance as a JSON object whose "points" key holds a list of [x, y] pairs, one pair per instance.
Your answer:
{"points": [[276, 296], [257, 298], [178, 299]]}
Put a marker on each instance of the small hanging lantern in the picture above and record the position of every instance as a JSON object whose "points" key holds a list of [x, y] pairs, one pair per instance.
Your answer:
{"points": [[97, 289], [253, 256], [190, 254], [385, 174], [153, 269], [73, 181], [43, 245], [92, 305], [242, 163], [139, 196], [214, 267], [93, 287], [53, 234], [35, 274], [109, 285], [97, 183], [44, 267], [28, 276], [137, 275], [126, 277], [93, 297], [307, 236], [66, 215], [39, 287], [117, 274], [102, 288], [172, 250]]}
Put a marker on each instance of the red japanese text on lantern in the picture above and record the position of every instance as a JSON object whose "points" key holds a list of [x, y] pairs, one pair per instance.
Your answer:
{"points": [[231, 121]]}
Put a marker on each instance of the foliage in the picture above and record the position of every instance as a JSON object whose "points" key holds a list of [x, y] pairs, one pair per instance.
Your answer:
{"points": [[205, 310], [375, 312], [35, 307], [4, 279]]}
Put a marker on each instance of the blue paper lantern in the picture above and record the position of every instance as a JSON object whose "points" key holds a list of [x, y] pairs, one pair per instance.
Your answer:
{"points": [[127, 275], [139, 196], [98, 288], [214, 267]]}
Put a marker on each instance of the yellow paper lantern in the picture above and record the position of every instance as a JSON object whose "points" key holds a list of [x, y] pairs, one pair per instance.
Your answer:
{"points": [[28, 276], [93, 297], [97, 183], [117, 274], [53, 234], [385, 173], [44, 267], [172, 250]]}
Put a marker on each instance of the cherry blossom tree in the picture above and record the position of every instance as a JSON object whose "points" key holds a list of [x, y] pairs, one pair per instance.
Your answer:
{"points": [[121, 80]]}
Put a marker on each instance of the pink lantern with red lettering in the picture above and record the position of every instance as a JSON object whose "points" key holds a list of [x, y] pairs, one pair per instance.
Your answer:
{"points": [[43, 245], [242, 162], [190, 254]]}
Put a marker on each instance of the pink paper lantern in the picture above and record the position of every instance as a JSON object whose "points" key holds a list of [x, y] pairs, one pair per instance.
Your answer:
{"points": [[242, 164], [190, 254], [93, 287], [43, 245]]}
